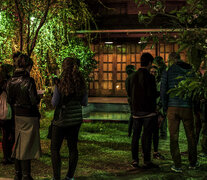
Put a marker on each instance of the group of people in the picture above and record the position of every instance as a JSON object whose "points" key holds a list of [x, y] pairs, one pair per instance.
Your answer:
{"points": [[151, 105], [70, 94]]}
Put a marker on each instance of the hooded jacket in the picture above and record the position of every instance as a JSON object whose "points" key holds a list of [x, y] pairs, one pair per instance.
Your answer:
{"points": [[169, 80]]}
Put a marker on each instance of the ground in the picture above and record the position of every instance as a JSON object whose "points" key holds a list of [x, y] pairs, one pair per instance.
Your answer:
{"points": [[104, 153]]}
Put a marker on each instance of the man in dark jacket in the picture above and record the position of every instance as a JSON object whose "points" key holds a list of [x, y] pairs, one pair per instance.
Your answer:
{"points": [[130, 69], [178, 109], [142, 93]]}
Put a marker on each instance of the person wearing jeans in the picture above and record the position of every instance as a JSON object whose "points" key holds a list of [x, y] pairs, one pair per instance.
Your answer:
{"points": [[68, 98], [58, 134], [142, 92], [178, 109], [148, 125], [175, 116]]}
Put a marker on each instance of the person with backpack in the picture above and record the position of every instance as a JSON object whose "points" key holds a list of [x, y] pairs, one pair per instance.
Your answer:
{"points": [[22, 96], [6, 120], [68, 98]]}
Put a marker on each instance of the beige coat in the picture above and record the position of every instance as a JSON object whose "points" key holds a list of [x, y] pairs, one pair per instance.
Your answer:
{"points": [[27, 138]]}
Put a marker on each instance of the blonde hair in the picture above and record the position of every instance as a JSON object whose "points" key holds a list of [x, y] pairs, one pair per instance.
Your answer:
{"points": [[173, 58]]}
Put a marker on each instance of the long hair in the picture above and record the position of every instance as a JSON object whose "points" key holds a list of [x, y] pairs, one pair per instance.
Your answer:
{"points": [[71, 80]]}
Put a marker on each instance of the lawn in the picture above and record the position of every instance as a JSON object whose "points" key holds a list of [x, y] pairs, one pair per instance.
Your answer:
{"points": [[104, 153]]}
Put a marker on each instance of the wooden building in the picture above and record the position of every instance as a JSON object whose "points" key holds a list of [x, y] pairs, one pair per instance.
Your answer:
{"points": [[117, 43]]}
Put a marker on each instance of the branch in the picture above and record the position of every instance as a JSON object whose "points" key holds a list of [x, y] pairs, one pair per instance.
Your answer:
{"points": [[28, 33], [39, 27], [21, 25]]}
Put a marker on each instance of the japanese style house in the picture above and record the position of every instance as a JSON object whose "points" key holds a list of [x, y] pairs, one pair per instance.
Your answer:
{"points": [[117, 43]]}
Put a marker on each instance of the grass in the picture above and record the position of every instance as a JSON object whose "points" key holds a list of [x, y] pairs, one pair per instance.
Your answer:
{"points": [[104, 153]]}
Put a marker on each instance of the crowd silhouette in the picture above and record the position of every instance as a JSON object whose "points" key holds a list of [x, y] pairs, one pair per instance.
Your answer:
{"points": [[151, 109]]}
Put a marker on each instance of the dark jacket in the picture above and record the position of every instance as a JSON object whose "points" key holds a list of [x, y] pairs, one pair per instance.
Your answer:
{"points": [[142, 92], [169, 80], [68, 111], [22, 94]]}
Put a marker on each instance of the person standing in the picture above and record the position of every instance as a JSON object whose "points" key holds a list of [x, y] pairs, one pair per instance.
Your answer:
{"points": [[68, 98], [159, 61], [142, 92], [23, 98], [203, 117], [6, 125], [130, 69], [178, 109], [159, 119]]}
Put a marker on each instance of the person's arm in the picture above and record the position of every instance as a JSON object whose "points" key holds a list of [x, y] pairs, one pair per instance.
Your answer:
{"points": [[163, 91], [8, 92], [56, 97], [84, 101], [34, 98]]}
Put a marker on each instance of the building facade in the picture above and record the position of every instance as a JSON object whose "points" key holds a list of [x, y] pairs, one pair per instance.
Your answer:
{"points": [[117, 44]]}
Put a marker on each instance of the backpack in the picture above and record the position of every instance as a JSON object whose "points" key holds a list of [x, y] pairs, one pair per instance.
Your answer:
{"points": [[5, 108]]}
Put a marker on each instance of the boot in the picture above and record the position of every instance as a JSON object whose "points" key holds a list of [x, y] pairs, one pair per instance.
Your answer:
{"points": [[26, 170], [18, 170]]}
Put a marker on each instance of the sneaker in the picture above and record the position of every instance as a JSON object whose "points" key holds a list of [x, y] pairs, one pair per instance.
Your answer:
{"points": [[158, 156], [193, 167], [150, 166], [135, 164], [177, 170], [202, 155]]}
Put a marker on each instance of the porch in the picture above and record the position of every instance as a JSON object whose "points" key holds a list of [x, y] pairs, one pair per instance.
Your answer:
{"points": [[107, 109]]}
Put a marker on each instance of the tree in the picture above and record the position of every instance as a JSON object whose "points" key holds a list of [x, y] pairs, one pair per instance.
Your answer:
{"points": [[188, 21], [42, 29]]}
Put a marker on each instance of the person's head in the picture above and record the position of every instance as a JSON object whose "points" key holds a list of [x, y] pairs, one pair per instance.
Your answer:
{"points": [[71, 81], [146, 60], [16, 55], [130, 69], [159, 61], [173, 58], [23, 62], [56, 80], [153, 70]]}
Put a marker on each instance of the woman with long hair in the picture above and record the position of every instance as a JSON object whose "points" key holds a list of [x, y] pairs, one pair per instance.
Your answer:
{"points": [[23, 98], [68, 98]]}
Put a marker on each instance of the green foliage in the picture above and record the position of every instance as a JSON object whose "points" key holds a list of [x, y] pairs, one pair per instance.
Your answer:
{"points": [[189, 20], [6, 35], [56, 39], [194, 88]]}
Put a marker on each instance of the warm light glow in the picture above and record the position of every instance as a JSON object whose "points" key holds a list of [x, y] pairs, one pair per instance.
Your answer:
{"points": [[109, 42], [141, 42], [32, 19]]}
